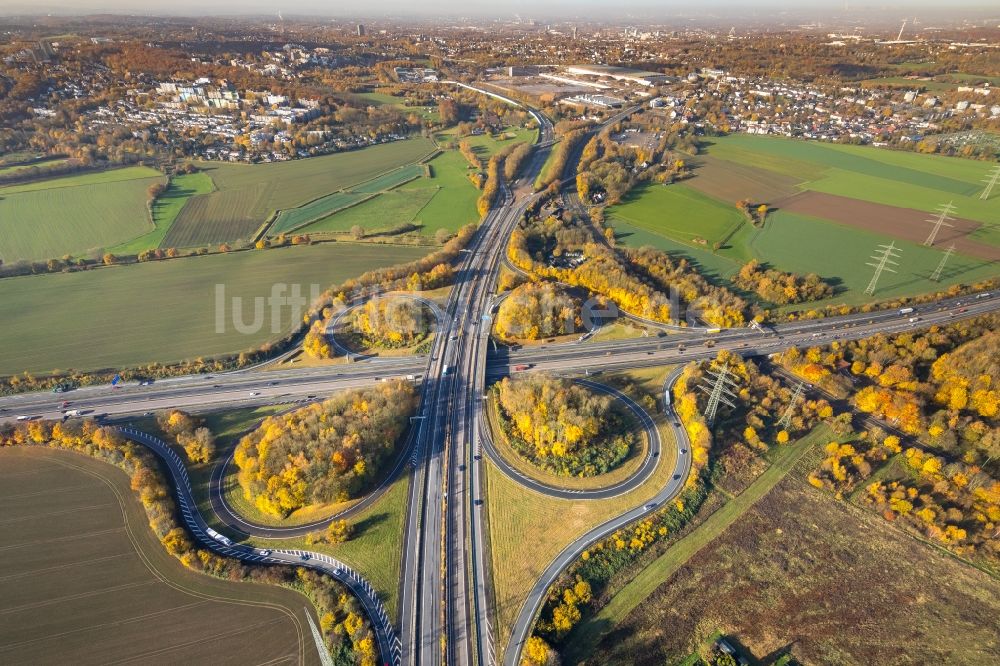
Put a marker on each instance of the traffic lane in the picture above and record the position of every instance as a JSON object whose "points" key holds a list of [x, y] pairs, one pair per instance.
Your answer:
{"points": [[568, 555], [296, 382], [195, 399], [555, 356]]}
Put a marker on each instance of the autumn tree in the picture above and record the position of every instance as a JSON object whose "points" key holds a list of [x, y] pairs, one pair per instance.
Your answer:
{"points": [[323, 452], [537, 310]]}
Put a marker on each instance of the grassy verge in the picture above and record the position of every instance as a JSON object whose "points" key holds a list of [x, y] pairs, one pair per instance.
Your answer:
{"points": [[377, 549], [543, 526]]}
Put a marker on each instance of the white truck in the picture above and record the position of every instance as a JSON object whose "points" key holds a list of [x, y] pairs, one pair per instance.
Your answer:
{"points": [[218, 537], [905, 311], [74, 412]]}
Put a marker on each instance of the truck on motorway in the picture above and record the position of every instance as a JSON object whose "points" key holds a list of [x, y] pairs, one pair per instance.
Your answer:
{"points": [[713, 330], [74, 412], [905, 311], [522, 367], [218, 537], [446, 370]]}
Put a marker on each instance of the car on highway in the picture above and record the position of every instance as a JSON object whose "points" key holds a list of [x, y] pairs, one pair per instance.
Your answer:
{"points": [[684, 452], [65, 404], [254, 393], [652, 505], [677, 477], [305, 557], [264, 551]]}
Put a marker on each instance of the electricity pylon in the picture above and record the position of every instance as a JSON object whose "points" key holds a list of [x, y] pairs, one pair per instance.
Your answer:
{"points": [[721, 392], [885, 258], [786, 418], [942, 220], [936, 275], [992, 178]]}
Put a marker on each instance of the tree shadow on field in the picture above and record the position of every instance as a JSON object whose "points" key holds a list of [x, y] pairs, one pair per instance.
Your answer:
{"points": [[370, 522], [782, 655]]}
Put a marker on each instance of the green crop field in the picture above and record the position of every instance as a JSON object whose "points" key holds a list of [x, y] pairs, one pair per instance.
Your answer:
{"points": [[485, 145], [327, 207], [381, 212], [294, 219], [454, 204], [165, 310], [86, 581], [893, 178], [74, 215], [80, 180], [444, 200], [390, 180], [803, 244], [382, 99], [248, 194], [670, 218], [166, 209], [677, 212]]}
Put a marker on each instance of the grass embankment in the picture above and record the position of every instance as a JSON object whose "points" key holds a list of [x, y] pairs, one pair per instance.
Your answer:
{"points": [[85, 579], [522, 521], [165, 311], [589, 632]]}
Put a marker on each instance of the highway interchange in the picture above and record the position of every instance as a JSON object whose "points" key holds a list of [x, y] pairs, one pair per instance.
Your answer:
{"points": [[444, 588]]}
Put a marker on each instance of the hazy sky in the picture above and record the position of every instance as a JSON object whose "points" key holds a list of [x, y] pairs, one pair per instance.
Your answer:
{"points": [[527, 8]]}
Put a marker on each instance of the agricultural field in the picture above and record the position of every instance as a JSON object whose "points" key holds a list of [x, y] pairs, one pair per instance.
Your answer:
{"points": [[445, 199], [77, 215], [679, 212], [247, 195], [838, 201], [165, 210], [164, 310], [485, 145], [85, 579], [799, 566], [327, 207]]}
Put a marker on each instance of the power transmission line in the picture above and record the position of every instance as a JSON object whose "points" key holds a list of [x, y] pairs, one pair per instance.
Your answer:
{"points": [[942, 220], [936, 275], [721, 392], [885, 258], [786, 418], [992, 178]]}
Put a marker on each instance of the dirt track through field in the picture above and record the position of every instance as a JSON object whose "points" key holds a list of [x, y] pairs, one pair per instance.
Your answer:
{"points": [[904, 223]]}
